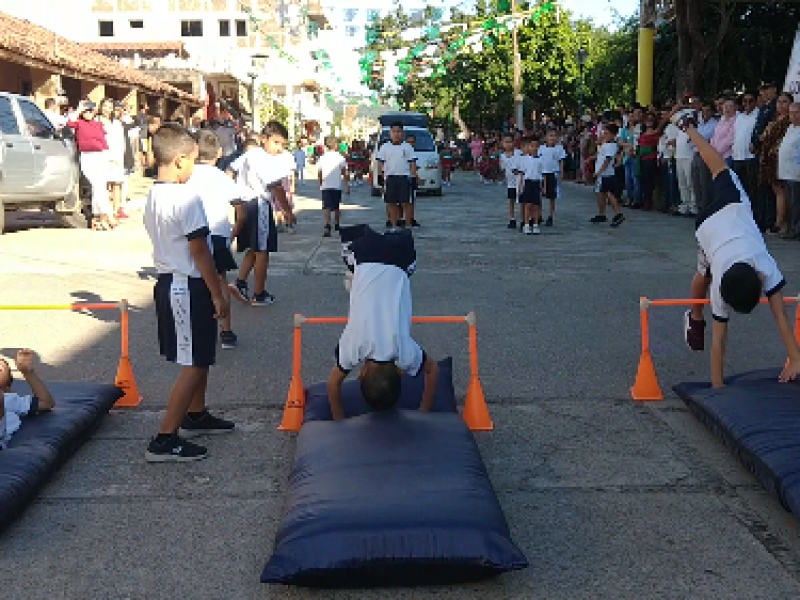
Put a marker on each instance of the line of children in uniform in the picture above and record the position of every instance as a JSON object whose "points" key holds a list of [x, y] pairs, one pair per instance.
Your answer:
{"points": [[532, 174]]}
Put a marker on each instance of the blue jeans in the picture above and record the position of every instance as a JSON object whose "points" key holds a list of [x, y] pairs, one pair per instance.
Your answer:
{"points": [[632, 184], [669, 183]]}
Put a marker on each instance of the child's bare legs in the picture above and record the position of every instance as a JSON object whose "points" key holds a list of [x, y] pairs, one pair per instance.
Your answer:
{"points": [[408, 213], [260, 272], [700, 285], [225, 323], [328, 217], [552, 209], [614, 203], [393, 211], [248, 262], [190, 381], [337, 216], [602, 200], [198, 403], [512, 210]]}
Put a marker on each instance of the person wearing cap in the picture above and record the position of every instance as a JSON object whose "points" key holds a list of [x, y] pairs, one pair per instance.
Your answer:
{"points": [[90, 137]]}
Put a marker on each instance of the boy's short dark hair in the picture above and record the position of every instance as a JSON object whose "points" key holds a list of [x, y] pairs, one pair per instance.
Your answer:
{"points": [[207, 145], [380, 385], [396, 124], [411, 136], [331, 143], [613, 128], [529, 140], [169, 141], [741, 288], [275, 128]]}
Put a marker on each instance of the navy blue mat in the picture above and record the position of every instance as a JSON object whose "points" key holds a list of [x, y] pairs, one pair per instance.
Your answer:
{"points": [[758, 419], [317, 407], [400, 498], [46, 440]]}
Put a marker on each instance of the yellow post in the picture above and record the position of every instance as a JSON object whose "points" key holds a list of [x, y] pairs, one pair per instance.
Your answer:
{"points": [[647, 46]]}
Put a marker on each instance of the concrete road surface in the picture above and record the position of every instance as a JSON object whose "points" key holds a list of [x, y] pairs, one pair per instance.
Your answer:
{"points": [[608, 498]]}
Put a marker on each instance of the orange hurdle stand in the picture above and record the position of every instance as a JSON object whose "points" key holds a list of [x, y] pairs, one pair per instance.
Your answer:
{"points": [[476, 412], [124, 379], [646, 387]]}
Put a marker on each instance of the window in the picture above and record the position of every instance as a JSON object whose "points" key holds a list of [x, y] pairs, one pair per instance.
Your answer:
{"points": [[137, 24], [38, 124], [8, 120], [241, 28], [224, 29], [351, 31], [350, 14], [191, 29], [105, 28]]}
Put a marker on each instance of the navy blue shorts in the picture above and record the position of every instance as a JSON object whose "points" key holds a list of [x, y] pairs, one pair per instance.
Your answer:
{"points": [[397, 190], [187, 330], [258, 235], [223, 258], [531, 193], [551, 186], [512, 193], [610, 185], [331, 199]]}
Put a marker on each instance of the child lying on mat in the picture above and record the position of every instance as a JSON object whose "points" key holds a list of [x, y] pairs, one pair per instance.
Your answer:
{"points": [[378, 332], [733, 262], [13, 406]]}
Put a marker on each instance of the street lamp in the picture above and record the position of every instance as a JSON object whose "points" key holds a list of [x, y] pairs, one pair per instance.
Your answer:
{"points": [[257, 64], [582, 56]]}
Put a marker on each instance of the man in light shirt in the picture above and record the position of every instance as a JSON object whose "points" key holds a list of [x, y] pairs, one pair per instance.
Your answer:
{"points": [[702, 182], [745, 163], [789, 171]]}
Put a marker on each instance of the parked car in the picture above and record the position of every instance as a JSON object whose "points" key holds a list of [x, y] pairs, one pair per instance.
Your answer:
{"points": [[429, 165], [38, 165]]}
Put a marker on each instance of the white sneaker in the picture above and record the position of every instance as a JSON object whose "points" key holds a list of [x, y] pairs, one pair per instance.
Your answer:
{"points": [[527, 230], [536, 230]]}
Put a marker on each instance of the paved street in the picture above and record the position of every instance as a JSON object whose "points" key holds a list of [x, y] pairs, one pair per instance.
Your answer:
{"points": [[608, 499]]}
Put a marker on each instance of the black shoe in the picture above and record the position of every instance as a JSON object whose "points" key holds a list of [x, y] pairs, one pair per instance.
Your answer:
{"points": [[617, 220], [512, 224], [694, 332], [415, 223], [336, 227], [239, 290], [173, 449], [263, 299], [401, 223], [549, 222], [227, 339], [207, 424], [327, 231], [599, 219], [388, 224]]}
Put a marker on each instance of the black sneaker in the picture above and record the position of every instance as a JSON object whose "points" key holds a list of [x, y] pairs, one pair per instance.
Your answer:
{"points": [[336, 227], [388, 224], [599, 219], [207, 424], [239, 290], [401, 223], [174, 449], [512, 224], [263, 299], [617, 220], [694, 332], [415, 223], [549, 222], [327, 231], [228, 339]]}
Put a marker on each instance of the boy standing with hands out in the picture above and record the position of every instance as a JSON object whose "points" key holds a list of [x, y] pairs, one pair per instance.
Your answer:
{"points": [[529, 171], [608, 188], [553, 156], [188, 298], [332, 168], [396, 165], [509, 160]]}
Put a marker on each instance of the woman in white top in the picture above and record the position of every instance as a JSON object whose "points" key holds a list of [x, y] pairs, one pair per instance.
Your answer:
{"points": [[115, 136]]}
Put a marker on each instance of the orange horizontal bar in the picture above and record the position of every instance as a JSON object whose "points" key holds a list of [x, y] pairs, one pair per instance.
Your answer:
{"points": [[700, 302], [329, 320], [94, 306]]}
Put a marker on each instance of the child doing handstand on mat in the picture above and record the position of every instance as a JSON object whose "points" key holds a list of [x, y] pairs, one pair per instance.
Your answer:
{"points": [[378, 332], [733, 262], [14, 407]]}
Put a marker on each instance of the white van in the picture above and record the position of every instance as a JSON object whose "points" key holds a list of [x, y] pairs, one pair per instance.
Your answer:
{"points": [[429, 166]]}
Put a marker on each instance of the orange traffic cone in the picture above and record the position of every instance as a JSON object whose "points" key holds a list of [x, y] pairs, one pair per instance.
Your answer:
{"points": [[295, 402], [127, 383], [646, 385], [476, 412]]}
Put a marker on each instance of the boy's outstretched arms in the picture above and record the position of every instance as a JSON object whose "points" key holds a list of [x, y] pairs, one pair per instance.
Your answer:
{"points": [[25, 365], [792, 369], [335, 381]]}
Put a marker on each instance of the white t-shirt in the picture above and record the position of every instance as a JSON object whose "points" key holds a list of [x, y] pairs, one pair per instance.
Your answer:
{"points": [[261, 172], [551, 158], [684, 148], [16, 407], [607, 150], [379, 325], [510, 166], [743, 135], [788, 169], [330, 165], [665, 149], [58, 120], [731, 236], [531, 167], [396, 158], [218, 192], [173, 215], [115, 137]]}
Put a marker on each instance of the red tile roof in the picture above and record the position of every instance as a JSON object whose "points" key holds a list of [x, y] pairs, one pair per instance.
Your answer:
{"points": [[40, 44]]}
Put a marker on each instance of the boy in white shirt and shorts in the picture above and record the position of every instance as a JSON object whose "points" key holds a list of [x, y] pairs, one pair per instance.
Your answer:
{"points": [[509, 159], [608, 184], [397, 164], [332, 170]]}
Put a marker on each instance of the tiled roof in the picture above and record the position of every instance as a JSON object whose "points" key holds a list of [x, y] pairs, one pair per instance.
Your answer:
{"points": [[40, 44]]}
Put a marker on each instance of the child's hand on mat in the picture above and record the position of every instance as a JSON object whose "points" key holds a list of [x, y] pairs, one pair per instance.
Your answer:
{"points": [[25, 359], [790, 371], [221, 308]]}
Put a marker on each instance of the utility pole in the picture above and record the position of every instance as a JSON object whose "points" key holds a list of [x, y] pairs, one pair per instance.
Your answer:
{"points": [[519, 118]]}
